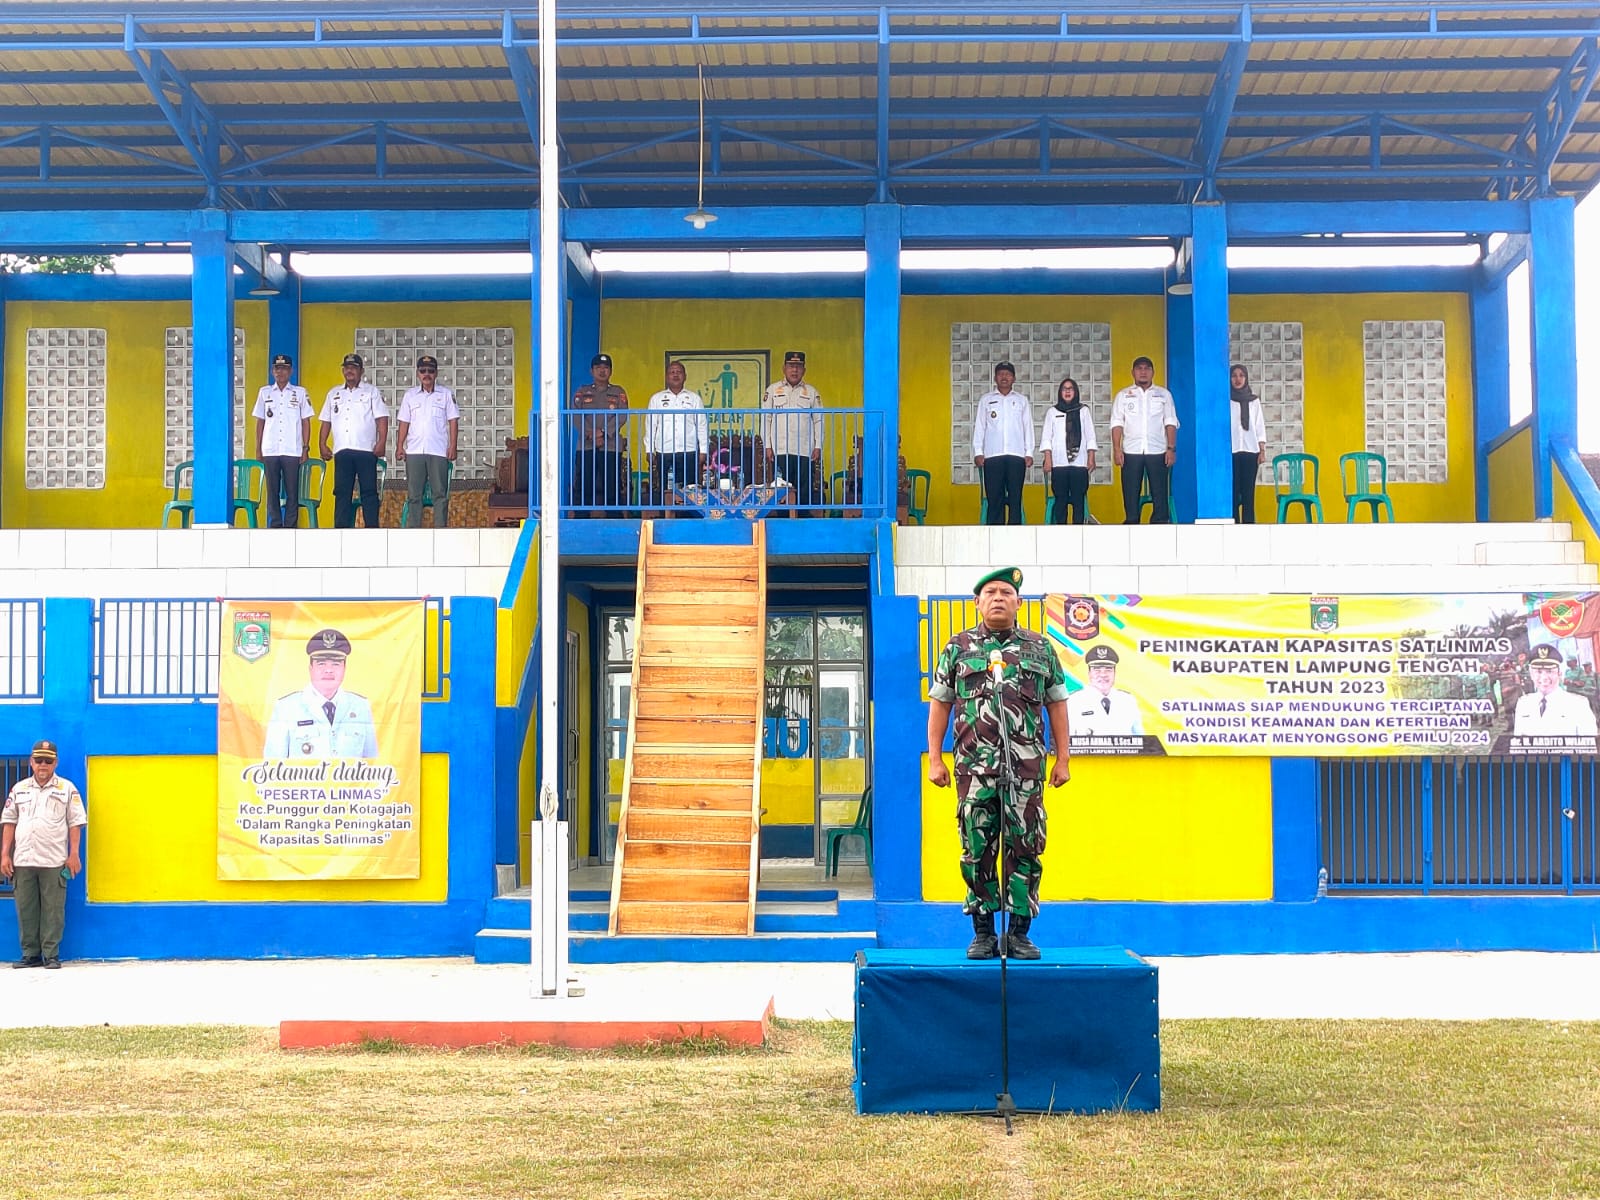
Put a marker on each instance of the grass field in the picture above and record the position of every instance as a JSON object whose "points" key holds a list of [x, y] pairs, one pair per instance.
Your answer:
{"points": [[1363, 1110]]}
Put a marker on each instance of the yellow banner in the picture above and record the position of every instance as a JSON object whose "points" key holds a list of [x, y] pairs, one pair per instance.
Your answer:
{"points": [[1329, 676], [319, 740]]}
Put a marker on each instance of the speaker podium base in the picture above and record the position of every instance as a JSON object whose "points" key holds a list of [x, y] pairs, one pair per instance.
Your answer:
{"points": [[1084, 1033]]}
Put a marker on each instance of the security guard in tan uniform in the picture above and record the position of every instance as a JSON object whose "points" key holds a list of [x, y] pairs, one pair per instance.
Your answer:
{"points": [[323, 720], [792, 440], [41, 831]]}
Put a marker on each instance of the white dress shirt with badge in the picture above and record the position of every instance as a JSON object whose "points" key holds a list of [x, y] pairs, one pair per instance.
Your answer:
{"points": [[1053, 437], [281, 411], [1114, 714], [1561, 712], [301, 726], [1004, 426], [427, 417], [1248, 441], [42, 813], [1144, 415], [797, 433], [353, 414], [680, 434]]}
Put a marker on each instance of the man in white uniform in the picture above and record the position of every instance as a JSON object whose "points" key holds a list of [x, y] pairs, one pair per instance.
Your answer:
{"points": [[41, 830], [793, 442], [1102, 709], [283, 441], [676, 445], [322, 720], [1144, 442], [426, 443], [1002, 446], [1550, 710], [358, 420]]}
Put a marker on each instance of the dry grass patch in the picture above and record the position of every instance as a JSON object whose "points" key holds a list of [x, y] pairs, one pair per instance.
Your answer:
{"points": [[1254, 1109]]}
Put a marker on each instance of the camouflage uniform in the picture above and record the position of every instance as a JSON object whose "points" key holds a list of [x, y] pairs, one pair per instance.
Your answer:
{"points": [[1034, 678]]}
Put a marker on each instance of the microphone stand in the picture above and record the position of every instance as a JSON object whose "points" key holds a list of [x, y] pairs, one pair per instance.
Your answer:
{"points": [[1004, 1106]]}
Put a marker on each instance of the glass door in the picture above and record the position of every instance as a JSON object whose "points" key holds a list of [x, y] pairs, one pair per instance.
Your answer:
{"points": [[616, 683]]}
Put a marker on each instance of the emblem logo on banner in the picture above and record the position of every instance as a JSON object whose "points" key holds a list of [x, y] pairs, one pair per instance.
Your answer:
{"points": [[252, 635], [1324, 613], [1561, 617], [1083, 618], [319, 741]]}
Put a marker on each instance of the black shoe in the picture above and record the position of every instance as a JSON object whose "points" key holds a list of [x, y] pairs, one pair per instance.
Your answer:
{"points": [[984, 943], [24, 963], [1017, 944], [52, 964]]}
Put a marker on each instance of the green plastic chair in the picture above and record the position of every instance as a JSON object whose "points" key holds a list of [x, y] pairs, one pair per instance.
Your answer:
{"points": [[983, 506], [249, 489], [862, 828], [1356, 478], [182, 501], [1054, 501], [312, 472], [1289, 472], [921, 485], [427, 493], [1144, 498]]}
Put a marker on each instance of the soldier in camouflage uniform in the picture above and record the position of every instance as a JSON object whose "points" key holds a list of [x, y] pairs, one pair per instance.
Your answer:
{"points": [[962, 684]]}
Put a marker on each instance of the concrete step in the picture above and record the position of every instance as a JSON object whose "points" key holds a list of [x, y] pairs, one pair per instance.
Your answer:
{"points": [[514, 946]]}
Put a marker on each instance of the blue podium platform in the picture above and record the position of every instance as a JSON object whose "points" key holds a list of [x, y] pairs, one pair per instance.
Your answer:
{"points": [[1084, 1032]]}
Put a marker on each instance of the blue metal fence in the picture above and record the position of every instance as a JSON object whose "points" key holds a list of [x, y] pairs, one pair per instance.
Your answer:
{"points": [[13, 769], [171, 649], [1458, 824], [21, 649]]}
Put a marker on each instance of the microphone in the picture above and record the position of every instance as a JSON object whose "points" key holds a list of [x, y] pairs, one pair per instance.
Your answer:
{"points": [[997, 667]]}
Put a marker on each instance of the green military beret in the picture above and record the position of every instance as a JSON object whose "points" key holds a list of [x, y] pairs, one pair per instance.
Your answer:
{"points": [[1011, 575]]}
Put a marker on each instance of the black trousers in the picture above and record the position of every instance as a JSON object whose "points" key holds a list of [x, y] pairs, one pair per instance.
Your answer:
{"points": [[1002, 486], [1135, 469], [1244, 487], [1071, 488], [601, 481], [349, 468], [283, 472], [797, 469]]}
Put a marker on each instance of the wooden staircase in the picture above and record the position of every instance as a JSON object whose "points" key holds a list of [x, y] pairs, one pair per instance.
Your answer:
{"points": [[688, 839]]}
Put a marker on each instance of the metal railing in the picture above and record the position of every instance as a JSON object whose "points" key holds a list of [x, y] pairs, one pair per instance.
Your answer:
{"points": [[14, 768], [823, 461], [1458, 824], [172, 649], [21, 649]]}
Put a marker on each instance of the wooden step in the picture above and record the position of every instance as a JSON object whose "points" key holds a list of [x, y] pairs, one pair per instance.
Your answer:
{"points": [[675, 676], [699, 703], [676, 885], [685, 856], [690, 825], [694, 795], [698, 639], [699, 580], [701, 556], [687, 728], [730, 918], [714, 611], [692, 762]]}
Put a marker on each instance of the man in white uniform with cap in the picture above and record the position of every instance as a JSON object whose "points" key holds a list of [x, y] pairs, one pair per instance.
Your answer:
{"points": [[323, 720]]}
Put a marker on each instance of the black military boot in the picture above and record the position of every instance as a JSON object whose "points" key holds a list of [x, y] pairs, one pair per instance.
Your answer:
{"points": [[1017, 944], [984, 943]]}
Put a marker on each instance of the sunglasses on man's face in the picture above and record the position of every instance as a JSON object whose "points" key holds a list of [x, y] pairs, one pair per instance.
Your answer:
{"points": [[44, 761], [426, 371]]}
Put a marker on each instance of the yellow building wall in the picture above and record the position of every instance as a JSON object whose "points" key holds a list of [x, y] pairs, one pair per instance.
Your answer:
{"points": [[1168, 829], [1564, 507], [578, 622], [1335, 408], [155, 839], [1138, 326], [137, 483], [1511, 479]]}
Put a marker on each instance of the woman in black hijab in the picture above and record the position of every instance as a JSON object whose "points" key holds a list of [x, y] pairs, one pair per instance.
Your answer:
{"points": [[1249, 443], [1067, 442]]}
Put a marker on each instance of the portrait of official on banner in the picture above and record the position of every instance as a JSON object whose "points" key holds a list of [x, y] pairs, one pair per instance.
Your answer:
{"points": [[1330, 675], [319, 740]]}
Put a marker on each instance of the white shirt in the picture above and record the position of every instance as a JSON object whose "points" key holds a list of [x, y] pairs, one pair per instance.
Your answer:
{"points": [[300, 726], [1053, 437], [282, 410], [1004, 426], [1248, 441], [676, 435], [42, 813], [798, 433], [1144, 415], [353, 414], [1564, 713], [427, 417], [1114, 714]]}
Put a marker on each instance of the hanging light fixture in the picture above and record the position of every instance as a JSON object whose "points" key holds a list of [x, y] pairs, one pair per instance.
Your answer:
{"points": [[263, 289], [700, 218]]}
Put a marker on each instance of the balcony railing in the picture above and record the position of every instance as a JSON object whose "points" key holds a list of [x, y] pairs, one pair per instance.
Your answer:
{"points": [[696, 462]]}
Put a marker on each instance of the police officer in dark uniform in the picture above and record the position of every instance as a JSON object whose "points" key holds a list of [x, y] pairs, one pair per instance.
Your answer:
{"points": [[601, 478], [962, 684]]}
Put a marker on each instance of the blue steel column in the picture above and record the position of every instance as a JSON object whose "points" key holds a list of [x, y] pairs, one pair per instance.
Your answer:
{"points": [[880, 351], [211, 309], [584, 336], [1205, 468], [1491, 380], [1552, 291], [283, 328], [473, 746]]}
